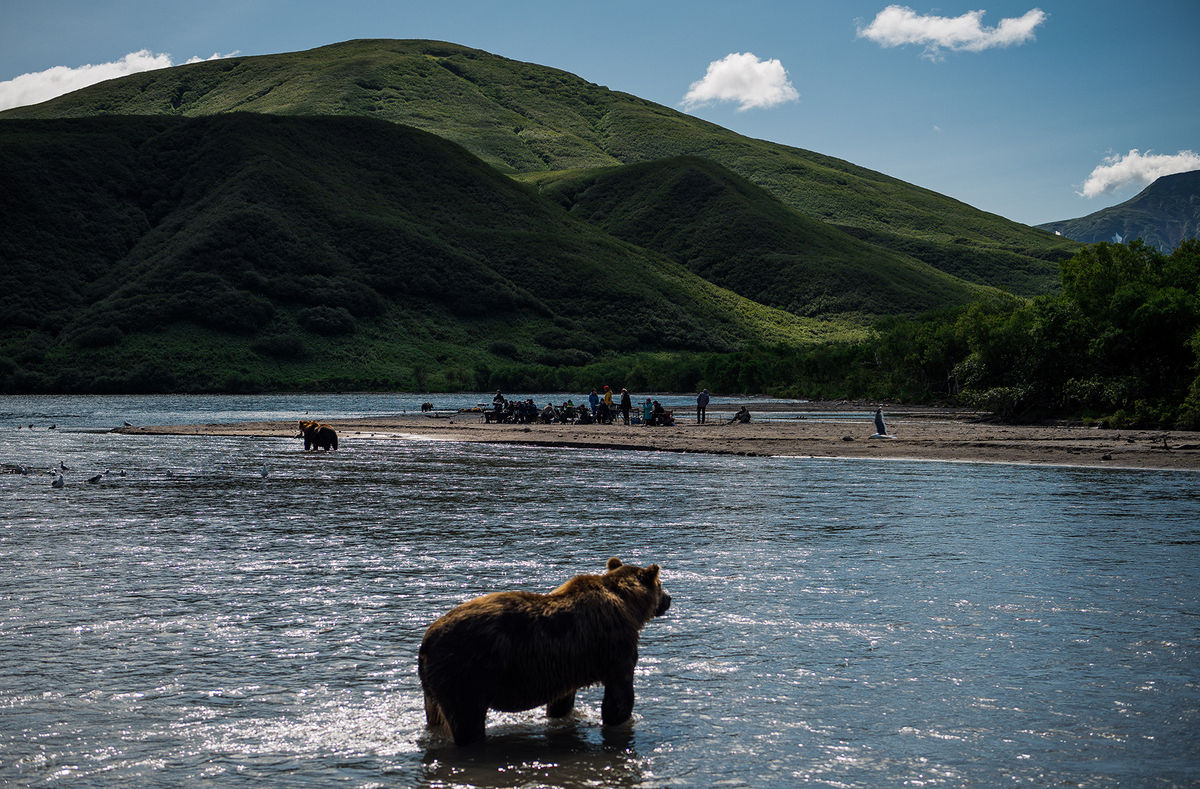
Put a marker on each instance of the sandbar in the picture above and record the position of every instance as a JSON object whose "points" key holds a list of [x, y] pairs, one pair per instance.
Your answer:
{"points": [[816, 431]]}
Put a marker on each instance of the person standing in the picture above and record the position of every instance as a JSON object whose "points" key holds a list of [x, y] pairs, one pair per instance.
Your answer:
{"points": [[594, 402], [607, 409], [626, 405], [701, 406]]}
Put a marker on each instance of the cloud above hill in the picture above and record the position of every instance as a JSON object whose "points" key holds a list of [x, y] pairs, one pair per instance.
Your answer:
{"points": [[1136, 169], [899, 25], [742, 77], [41, 86]]}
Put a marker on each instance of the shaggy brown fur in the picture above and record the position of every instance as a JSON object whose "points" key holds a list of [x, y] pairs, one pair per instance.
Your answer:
{"points": [[513, 651], [318, 436]]}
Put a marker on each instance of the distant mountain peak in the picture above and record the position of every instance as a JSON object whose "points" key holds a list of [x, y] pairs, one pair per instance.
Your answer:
{"points": [[1164, 214]]}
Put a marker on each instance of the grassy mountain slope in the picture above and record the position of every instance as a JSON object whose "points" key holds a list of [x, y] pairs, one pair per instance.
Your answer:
{"points": [[1163, 214], [522, 117], [739, 236], [257, 250]]}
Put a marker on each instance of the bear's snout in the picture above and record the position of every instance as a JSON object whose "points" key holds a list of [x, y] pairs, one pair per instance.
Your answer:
{"points": [[664, 603]]}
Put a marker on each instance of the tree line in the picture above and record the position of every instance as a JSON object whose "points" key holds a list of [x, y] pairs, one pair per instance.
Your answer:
{"points": [[1119, 343]]}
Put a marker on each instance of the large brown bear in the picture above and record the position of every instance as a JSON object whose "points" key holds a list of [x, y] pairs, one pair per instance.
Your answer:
{"points": [[513, 651], [318, 436]]}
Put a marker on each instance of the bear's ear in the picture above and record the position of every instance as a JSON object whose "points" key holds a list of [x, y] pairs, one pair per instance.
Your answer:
{"points": [[613, 564], [651, 574]]}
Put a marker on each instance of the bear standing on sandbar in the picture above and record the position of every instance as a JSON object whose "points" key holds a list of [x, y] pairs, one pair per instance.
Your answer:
{"points": [[318, 436], [513, 651]]}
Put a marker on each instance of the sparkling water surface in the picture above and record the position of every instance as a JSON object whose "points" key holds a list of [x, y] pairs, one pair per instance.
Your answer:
{"points": [[835, 622]]}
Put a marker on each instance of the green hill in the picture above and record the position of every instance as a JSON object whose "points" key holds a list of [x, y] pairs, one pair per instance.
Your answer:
{"points": [[526, 118], [1164, 214], [739, 236], [256, 251]]}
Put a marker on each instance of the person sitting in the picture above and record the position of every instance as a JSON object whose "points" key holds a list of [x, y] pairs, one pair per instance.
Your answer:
{"points": [[741, 417], [584, 417], [548, 415], [660, 416]]}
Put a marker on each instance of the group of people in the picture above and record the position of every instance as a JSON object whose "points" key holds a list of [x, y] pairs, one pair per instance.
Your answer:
{"points": [[600, 408]]}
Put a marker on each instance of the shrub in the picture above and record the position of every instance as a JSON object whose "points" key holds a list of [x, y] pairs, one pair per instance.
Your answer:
{"points": [[326, 320], [280, 346], [99, 337], [503, 348]]}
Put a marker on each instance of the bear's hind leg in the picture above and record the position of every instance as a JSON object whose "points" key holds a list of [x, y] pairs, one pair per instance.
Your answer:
{"points": [[561, 706], [466, 724], [433, 713]]}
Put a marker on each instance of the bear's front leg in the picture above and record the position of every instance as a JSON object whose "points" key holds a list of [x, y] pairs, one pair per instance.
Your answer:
{"points": [[561, 706], [617, 706]]}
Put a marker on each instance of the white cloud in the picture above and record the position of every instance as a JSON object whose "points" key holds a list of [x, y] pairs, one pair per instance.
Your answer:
{"points": [[1136, 169], [898, 25], [43, 85], [742, 77]]}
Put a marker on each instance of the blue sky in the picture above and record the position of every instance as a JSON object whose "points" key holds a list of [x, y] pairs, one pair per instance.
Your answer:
{"points": [[1016, 110]]}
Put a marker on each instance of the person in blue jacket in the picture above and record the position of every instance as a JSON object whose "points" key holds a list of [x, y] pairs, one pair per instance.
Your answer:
{"points": [[701, 405]]}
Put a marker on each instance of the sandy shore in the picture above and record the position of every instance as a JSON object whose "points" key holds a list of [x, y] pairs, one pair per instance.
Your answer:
{"points": [[919, 434]]}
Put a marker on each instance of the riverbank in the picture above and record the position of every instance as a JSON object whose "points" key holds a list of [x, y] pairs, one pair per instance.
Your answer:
{"points": [[815, 431]]}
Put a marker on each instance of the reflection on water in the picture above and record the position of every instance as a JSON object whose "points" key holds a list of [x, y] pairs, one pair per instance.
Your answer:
{"points": [[850, 623]]}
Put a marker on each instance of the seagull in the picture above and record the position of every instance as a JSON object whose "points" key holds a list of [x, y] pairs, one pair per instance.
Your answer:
{"points": [[63, 466], [96, 479], [264, 471], [58, 481], [127, 424]]}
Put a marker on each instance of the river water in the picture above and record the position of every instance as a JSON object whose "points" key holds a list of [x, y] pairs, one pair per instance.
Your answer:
{"points": [[835, 622]]}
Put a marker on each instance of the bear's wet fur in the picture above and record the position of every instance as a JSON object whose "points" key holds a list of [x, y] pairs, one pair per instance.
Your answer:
{"points": [[513, 651], [318, 436]]}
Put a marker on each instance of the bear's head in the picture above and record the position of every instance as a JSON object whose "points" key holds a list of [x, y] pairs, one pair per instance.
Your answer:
{"points": [[306, 426], [639, 586]]}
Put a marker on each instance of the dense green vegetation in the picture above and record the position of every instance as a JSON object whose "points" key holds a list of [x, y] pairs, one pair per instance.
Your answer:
{"points": [[256, 251], [525, 118], [739, 236], [1120, 344], [1163, 215]]}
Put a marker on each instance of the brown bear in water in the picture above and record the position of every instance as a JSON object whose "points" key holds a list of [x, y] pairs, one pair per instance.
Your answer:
{"points": [[513, 651], [318, 436]]}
